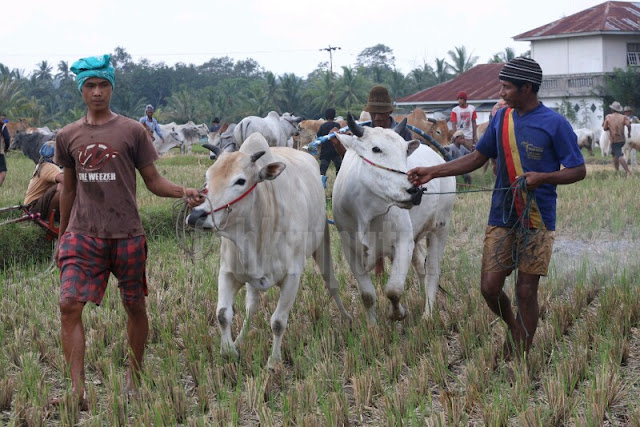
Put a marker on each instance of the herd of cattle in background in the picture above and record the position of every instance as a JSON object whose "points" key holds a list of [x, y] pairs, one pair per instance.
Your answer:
{"points": [[273, 228], [289, 130]]}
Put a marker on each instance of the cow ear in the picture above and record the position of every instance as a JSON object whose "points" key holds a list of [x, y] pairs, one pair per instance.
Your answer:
{"points": [[411, 147], [346, 140], [271, 171]]}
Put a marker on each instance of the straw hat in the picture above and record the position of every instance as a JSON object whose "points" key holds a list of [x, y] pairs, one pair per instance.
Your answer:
{"points": [[616, 107], [379, 100]]}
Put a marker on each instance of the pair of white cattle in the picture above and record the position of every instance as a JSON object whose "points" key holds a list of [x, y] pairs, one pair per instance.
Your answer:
{"points": [[268, 204]]}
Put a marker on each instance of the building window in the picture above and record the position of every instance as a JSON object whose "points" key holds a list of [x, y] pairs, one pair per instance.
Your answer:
{"points": [[633, 54]]}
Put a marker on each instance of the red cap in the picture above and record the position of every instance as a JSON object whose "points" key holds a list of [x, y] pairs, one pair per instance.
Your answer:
{"points": [[462, 94]]}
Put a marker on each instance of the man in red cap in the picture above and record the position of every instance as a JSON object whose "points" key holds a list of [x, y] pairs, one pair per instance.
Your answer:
{"points": [[463, 117]]}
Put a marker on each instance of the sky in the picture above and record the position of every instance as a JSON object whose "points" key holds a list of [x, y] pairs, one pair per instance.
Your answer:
{"points": [[283, 36]]}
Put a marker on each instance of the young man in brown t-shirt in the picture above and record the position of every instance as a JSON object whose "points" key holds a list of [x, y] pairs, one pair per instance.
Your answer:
{"points": [[100, 228], [615, 124]]}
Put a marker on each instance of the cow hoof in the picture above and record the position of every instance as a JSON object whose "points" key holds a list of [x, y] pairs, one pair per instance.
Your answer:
{"points": [[230, 352], [398, 313], [261, 284]]}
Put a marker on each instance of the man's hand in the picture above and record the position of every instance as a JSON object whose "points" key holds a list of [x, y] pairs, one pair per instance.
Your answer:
{"points": [[419, 176], [193, 197], [533, 179]]}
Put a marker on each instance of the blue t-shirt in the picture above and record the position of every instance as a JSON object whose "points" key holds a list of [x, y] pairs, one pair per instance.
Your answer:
{"points": [[545, 141]]}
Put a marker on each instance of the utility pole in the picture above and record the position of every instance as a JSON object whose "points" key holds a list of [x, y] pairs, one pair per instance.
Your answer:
{"points": [[330, 49]]}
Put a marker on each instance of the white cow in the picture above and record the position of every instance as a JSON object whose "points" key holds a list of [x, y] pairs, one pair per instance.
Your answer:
{"points": [[275, 128], [632, 145], [586, 139], [224, 141], [376, 217], [182, 136], [268, 205], [605, 143]]}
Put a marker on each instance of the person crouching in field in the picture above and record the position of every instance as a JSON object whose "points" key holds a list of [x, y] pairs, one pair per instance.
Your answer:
{"points": [[100, 227], [43, 191], [529, 142]]}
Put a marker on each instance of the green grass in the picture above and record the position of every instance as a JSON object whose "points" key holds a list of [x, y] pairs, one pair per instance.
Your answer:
{"points": [[583, 368]]}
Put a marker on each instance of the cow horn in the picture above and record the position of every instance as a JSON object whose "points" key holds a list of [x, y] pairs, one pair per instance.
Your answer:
{"points": [[256, 156], [432, 120], [354, 127], [400, 127], [216, 150]]}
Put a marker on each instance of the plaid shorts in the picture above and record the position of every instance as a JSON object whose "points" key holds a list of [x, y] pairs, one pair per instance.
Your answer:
{"points": [[498, 251], [85, 263]]}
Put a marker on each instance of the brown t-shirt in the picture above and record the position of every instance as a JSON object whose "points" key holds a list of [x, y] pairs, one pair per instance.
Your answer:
{"points": [[105, 159], [616, 126]]}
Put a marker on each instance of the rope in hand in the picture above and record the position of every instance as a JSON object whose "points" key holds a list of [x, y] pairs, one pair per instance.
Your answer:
{"points": [[190, 238]]}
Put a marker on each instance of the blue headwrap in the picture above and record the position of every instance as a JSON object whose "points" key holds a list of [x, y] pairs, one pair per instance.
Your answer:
{"points": [[95, 66], [47, 151]]}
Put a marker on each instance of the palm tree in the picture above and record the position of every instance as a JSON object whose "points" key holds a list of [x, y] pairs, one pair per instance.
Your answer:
{"points": [[43, 72], [352, 90], [505, 56], [290, 92], [441, 70], [321, 92], [63, 70], [461, 61], [12, 96]]}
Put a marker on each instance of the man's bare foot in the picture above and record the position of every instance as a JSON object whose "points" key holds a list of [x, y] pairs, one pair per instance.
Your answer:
{"points": [[83, 404]]}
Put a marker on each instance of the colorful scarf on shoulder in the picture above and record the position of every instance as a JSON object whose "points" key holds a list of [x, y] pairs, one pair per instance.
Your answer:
{"points": [[509, 146]]}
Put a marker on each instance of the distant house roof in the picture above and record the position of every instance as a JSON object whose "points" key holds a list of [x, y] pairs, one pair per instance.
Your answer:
{"points": [[480, 83], [609, 17]]}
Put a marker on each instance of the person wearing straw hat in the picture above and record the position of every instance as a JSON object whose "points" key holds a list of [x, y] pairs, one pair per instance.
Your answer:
{"points": [[615, 124], [530, 143], [380, 107], [628, 111], [101, 231]]}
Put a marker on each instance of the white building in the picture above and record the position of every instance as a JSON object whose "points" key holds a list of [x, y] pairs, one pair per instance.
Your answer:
{"points": [[577, 51]]}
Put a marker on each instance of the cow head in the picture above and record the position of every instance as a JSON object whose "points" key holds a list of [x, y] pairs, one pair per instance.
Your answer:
{"points": [[223, 141], [230, 186], [293, 121], [382, 157]]}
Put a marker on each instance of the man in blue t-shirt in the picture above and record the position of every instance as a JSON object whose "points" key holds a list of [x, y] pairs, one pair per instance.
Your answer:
{"points": [[529, 142]]}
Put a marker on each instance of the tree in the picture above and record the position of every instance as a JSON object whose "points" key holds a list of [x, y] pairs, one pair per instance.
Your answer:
{"points": [[319, 92], [623, 86], [461, 61], [505, 56], [441, 70], [379, 55], [352, 90], [43, 72], [291, 88], [120, 58], [63, 70]]}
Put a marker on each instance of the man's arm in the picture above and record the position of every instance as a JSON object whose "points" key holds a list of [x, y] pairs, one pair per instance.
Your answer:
{"points": [[605, 125], [161, 186], [474, 126], [563, 176], [157, 128], [461, 165], [67, 197]]}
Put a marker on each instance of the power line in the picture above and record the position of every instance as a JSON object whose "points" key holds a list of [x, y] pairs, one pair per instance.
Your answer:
{"points": [[330, 49]]}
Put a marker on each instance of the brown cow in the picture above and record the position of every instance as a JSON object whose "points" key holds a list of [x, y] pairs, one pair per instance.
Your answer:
{"points": [[20, 126], [437, 129]]}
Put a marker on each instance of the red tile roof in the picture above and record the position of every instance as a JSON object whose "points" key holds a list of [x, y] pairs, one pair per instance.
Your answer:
{"points": [[480, 82], [608, 17]]}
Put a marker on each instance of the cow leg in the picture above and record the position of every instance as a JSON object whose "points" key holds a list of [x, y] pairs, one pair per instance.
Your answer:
{"points": [[399, 268], [227, 290], [322, 256], [436, 243], [253, 298], [361, 263], [418, 261], [280, 318]]}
